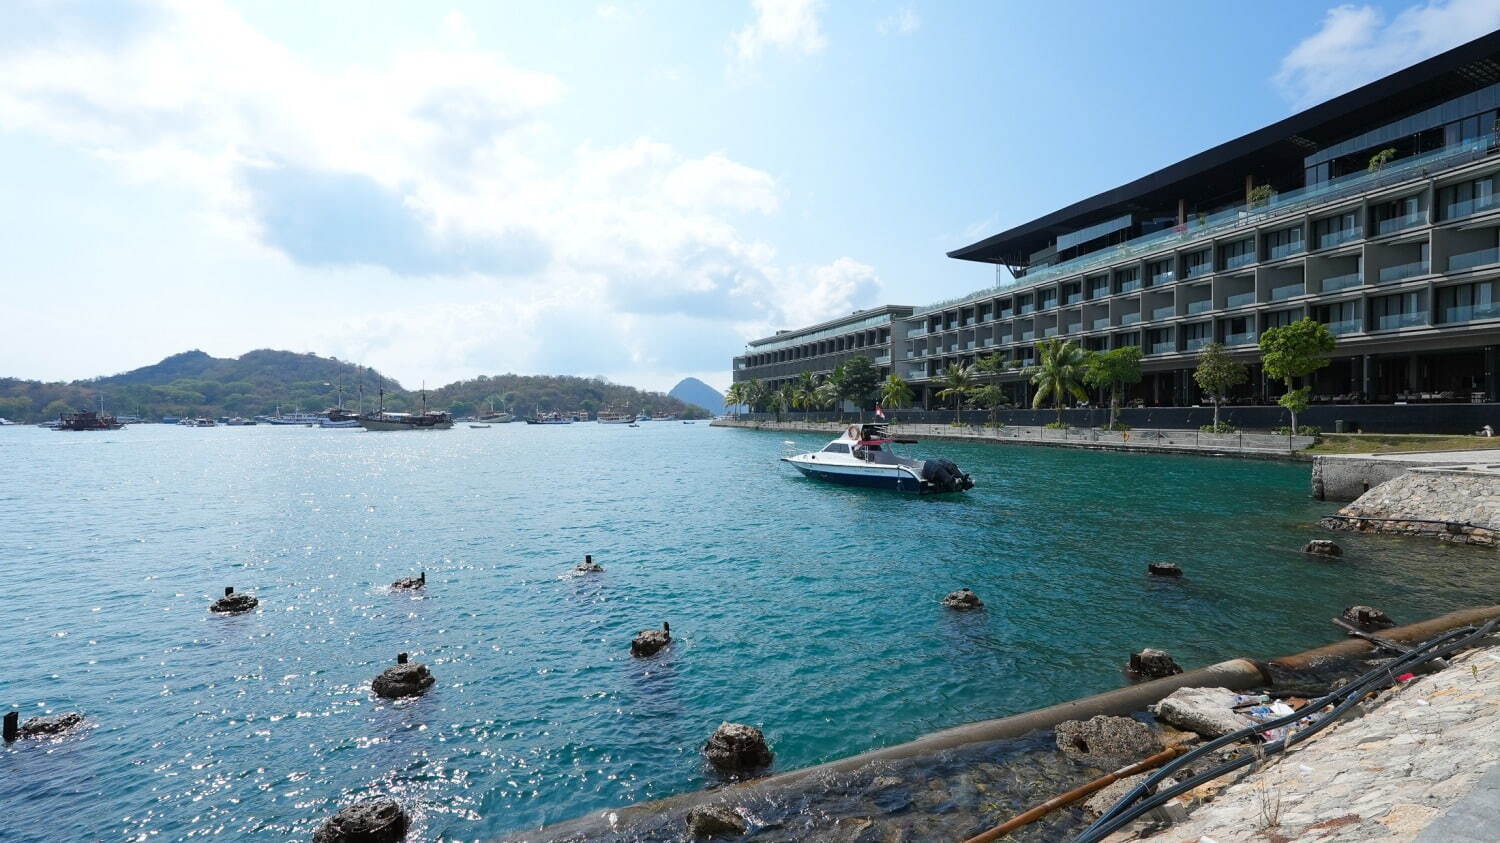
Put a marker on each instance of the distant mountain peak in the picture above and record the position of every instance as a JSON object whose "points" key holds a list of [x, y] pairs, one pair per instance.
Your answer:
{"points": [[699, 394]]}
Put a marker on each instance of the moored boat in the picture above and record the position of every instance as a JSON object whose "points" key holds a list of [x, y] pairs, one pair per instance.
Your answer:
{"points": [[863, 456], [425, 420], [549, 418], [608, 417], [87, 420]]}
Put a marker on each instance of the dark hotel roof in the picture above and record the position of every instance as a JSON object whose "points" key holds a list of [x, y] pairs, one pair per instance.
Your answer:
{"points": [[1276, 149]]}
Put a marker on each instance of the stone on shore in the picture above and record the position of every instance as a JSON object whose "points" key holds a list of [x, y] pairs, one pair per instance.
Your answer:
{"points": [[963, 600], [714, 821], [403, 680], [372, 821], [234, 604], [1207, 711], [737, 748], [1116, 738], [1163, 569], [1368, 618], [1151, 664], [52, 724], [1323, 547], [651, 641]]}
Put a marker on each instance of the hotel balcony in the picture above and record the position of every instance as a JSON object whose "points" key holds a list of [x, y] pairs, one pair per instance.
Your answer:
{"points": [[1401, 271], [1342, 282], [1469, 313], [1394, 224], [1470, 260]]}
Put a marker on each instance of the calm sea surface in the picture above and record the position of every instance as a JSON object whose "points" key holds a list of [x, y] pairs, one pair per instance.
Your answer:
{"points": [[809, 610]]}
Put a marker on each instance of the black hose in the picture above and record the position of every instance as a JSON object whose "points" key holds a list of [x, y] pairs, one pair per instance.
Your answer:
{"points": [[1133, 805]]}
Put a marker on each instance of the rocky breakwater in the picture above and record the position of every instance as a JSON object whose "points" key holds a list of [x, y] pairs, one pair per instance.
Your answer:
{"points": [[1453, 503]]}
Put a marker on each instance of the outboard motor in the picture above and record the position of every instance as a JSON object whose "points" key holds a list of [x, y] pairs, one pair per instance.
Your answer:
{"points": [[944, 476]]}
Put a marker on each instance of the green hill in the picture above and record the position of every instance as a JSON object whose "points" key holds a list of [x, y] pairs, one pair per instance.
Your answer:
{"points": [[256, 383]]}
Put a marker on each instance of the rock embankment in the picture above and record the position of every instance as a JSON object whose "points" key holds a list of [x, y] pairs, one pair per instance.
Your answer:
{"points": [[1459, 504]]}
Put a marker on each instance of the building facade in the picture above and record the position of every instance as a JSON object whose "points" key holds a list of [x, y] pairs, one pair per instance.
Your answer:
{"points": [[1374, 213]]}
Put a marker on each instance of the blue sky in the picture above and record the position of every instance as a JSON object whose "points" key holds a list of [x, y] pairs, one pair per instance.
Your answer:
{"points": [[627, 189]]}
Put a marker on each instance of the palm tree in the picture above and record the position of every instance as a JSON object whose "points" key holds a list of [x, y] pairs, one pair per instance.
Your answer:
{"points": [[783, 400], [805, 391], [958, 382], [734, 396], [825, 395], [1059, 374], [895, 393]]}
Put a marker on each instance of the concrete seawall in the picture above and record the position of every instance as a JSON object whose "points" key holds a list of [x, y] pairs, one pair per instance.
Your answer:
{"points": [[1344, 477], [1458, 503], [1158, 441]]}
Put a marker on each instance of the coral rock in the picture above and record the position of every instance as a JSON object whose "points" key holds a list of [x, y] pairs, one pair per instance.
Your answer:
{"points": [[737, 748]]}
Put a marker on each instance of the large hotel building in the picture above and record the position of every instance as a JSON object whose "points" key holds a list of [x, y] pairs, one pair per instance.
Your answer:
{"points": [[1374, 213]]}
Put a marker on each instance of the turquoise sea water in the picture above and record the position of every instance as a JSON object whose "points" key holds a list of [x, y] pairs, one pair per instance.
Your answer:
{"points": [[809, 610]]}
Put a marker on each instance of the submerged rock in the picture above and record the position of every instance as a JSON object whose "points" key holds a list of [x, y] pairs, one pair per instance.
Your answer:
{"points": [[372, 821], [1151, 664], [1163, 569], [651, 641], [233, 604], [1118, 738], [1368, 618], [714, 821], [1323, 547], [52, 724], [411, 582], [963, 600], [1105, 799], [588, 566], [737, 748], [1207, 711], [403, 679]]}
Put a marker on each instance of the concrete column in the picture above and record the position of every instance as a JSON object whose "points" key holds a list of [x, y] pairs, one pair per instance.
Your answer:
{"points": [[1492, 372], [1412, 371], [1367, 377]]}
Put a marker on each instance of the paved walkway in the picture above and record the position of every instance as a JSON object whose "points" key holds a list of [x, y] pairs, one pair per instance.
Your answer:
{"points": [[1419, 765]]}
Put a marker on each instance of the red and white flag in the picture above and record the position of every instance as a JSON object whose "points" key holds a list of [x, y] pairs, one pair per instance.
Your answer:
{"points": [[879, 413]]}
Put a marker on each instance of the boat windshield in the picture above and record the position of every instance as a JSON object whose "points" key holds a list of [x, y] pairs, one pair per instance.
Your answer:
{"points": [[837, 447]]}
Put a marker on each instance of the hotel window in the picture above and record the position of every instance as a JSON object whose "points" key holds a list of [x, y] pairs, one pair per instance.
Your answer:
{"points": [[1280, 244], [1160, 341], [1127, 339], [1469, 128], [1238, 254], [1199, 263], [1340, 317], [1127, 280], [1197, 334], [1282, 318], [1470, 197], [1023, 304], [1047, 297], [1397, 215], [1331, 231], [1072, 293], [1005, 309], [1467, 302], [1398, 311], [1096, 343], [986, 311], [1098, 286], [1238, 330], [1160, 272]]}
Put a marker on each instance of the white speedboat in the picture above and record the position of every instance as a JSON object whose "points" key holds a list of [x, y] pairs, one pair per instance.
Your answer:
{"points": [[863, 456]]}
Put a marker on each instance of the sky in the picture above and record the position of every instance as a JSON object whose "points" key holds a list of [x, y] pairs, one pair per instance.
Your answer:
{"points": [[623, 189]]}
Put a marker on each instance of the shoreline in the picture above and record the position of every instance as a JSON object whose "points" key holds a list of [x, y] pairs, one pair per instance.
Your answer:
{"points": [[1292, 671]]}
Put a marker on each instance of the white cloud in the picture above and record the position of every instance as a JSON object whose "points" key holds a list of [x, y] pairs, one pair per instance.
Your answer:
{"points": [[903, 22], [1357, 45], [790, 26], [438, 164]]}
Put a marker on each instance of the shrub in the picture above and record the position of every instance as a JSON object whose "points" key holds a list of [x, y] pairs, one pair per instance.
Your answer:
{"points": [[1221, 427], [1118, 427], [1056, 425], [1302, 430]]}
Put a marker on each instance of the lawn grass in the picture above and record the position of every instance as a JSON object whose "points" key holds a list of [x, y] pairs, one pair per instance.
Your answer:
{"points": [[1377, 443]]}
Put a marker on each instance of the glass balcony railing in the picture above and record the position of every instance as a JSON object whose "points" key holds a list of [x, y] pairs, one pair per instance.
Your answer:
{"points": [[915, 374], [1049, 332], [1025, 309], [883, 358], [1163, 278], [1195, 343], [1201, 306], [1237, 261], [1286, 291], [1341, 282], [1400, 223], [1343, 326], [919, 331], [1404, 270], [1070, 328], [1284, 250], [1130, 318], [1242, 338], [1240, 299], [1390, 321], [1007, 313], [1073, 298], [1469, 260], [1130, 286], [1163, 312], [1198, 271], [1168, 347], [1101, 322], [1469, 312], [1098, 292], [1469, 207], [1337, 238]]}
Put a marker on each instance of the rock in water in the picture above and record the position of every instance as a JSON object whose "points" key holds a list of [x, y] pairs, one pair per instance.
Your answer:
{"points": [[403, 680], [1368, 618], [588, 566], [54, 724], [1151, 664], [651, 641], [963, 600], [411, 582], [233, 604], [1207, 711], [737, 748], [1323, 547], [714, 821], [1117, 738], [372, 821], [1163, 569]]}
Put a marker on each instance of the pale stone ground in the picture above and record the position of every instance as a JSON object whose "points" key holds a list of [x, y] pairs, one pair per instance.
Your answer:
{"points": [[1418, 753]]}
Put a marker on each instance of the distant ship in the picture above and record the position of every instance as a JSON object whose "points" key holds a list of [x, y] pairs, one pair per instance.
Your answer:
{"points": [[615, 418], [87, 420], [549, 418], [425, 420]]}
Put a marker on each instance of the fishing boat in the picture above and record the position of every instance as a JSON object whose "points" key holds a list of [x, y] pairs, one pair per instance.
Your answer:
{"points": [[607, 417], [497, 418], [204, 422], [863, 456], [87, 420], [295, 418], [550, 418], [663, 416], [425, 420], [240, 421]]}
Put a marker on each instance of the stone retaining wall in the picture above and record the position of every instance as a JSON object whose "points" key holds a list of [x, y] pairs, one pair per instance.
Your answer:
{"points": [[1454, 503]]}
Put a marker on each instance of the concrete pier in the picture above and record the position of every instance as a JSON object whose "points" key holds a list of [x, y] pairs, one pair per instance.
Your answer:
{"points": [[1344, 477]]}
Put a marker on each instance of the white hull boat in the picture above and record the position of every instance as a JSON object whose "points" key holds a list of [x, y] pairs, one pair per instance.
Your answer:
{"points": [[863, 456]]}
